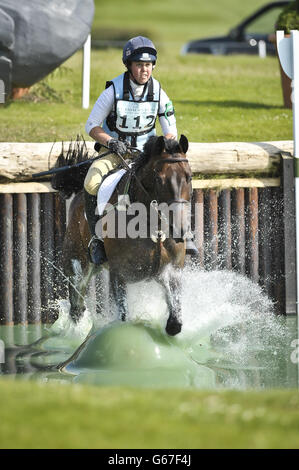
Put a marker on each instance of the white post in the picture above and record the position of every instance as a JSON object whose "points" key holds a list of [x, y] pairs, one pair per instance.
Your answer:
{"points": [[295, 102], [262, 49], [295, 95], [288, 52], [86, 73]]}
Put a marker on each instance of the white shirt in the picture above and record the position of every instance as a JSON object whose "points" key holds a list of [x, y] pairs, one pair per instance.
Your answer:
{"points": [[105, 101]]}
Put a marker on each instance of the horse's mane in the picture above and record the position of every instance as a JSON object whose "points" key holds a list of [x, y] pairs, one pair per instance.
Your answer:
{"points": [[72, 180], [171, 147]]}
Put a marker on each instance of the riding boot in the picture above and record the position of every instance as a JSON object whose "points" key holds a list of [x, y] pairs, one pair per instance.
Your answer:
{"points": [[191, 248], [96, 248]]}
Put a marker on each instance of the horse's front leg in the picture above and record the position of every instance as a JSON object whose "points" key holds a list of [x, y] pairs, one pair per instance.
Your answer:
{"points": [[78, 282], [119, 292], [173, 289]]}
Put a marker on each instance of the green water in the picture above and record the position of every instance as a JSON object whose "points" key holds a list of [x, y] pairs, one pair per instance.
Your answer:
{"points": [[142, 356], [230, 339]]}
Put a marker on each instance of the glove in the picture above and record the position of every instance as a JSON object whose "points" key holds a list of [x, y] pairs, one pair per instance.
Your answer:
{"points": [[117, 146], [97, 146]]}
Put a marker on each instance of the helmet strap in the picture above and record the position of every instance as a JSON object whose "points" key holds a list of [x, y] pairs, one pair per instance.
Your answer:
{"points": [[134, 80], [132, 76], [128, 65]]}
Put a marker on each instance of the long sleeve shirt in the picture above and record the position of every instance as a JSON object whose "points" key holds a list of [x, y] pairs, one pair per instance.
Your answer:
{"points": [[104, 104]]}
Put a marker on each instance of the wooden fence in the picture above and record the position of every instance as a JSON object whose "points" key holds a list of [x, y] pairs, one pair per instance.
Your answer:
{"points": [[32, 229], [241, 224]]}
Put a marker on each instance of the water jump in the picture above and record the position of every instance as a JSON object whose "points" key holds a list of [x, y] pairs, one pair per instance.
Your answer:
{"points": [[161, 174]]}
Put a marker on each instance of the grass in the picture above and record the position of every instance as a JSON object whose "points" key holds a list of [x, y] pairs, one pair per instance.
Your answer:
{"points": [[75, 416], [216, 99], [169, 23]]}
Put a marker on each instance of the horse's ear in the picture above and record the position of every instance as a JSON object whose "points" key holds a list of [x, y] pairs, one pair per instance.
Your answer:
{"points": [[159, 146], [184, 143]]}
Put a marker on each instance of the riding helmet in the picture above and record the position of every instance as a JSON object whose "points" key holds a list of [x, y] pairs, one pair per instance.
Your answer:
{"points": [[139, 49]]}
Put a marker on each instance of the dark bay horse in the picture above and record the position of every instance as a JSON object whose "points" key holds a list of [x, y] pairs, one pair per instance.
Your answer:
{"points": [[160, 176]]}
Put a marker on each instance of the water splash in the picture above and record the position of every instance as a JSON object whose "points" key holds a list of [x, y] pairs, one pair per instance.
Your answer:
{"points": [[65, 326], [228, 325], [230, 335], [211, 300]]}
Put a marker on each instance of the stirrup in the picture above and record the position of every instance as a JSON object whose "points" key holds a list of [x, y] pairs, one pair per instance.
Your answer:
{"points": [[93, 238]]}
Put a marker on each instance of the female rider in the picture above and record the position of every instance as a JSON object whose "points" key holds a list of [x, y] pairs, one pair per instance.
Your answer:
{"points": [[125, 115]]}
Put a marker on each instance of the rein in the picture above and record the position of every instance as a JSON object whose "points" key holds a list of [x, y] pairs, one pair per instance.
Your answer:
{"points": [[132, 173], [154, 203], [164, 160], [172, 160]]}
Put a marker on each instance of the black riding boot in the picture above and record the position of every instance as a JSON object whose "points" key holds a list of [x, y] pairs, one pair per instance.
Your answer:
{"points": [[96, 248]]}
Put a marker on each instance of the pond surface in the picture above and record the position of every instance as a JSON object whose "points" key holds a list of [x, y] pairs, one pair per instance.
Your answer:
{"points": [[230, 339]]}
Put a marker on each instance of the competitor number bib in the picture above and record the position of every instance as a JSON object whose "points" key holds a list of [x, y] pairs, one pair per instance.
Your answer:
{"points": [[136, 117]]}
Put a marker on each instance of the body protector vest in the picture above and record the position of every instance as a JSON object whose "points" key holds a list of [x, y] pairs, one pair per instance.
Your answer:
{"points": [[130, 120]]}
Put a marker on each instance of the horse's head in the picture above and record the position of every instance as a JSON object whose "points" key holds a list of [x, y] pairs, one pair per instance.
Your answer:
{"points": [[168, 181]]}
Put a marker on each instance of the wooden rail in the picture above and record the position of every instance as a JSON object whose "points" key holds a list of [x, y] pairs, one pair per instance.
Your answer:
{"points": [[18, 161], [220, 184], [241, 224], [32, 226]]}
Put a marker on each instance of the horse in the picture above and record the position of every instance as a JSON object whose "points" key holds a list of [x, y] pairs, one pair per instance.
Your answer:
{"points": [[159, 176]]}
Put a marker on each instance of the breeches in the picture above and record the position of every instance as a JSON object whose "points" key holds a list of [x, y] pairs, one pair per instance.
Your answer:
{"points": [[98, 170]]}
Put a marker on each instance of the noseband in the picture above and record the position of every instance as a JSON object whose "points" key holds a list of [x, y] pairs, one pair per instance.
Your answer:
{"points": [[172, 160], [160, 235]]}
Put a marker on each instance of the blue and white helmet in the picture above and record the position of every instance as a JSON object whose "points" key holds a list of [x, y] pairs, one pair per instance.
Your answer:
{"points": [[139, 49]]}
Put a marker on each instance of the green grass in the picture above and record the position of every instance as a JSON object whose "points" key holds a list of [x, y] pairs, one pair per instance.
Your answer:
{"points": [[169, 23], [74, 416], [216, 99]]}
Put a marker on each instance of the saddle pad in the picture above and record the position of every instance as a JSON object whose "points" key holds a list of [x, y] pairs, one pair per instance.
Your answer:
{"points": [[107, 187]]}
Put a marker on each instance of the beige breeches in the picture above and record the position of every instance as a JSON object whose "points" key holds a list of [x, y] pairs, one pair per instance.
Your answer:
{"points": [[98, 170]]}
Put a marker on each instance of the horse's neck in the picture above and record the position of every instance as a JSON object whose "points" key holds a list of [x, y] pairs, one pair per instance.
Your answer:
{"points": [[137, 193], [122, 186], [133, 189]]}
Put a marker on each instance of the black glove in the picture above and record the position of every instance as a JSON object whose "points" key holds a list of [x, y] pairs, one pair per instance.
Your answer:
{"points": [[97, 146], [117, 146]]}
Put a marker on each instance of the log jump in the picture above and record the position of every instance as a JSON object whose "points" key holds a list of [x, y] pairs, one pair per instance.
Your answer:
{"points": [[18, 161], [242, 215]]}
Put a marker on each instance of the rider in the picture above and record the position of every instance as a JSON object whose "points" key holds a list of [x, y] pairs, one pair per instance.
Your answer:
{"points": [[124, 115]]}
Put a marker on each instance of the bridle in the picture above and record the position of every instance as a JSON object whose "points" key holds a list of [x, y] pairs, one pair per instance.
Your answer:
{"points": [[154, 202], [162, 160], [131, 173], [173, 160]]}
